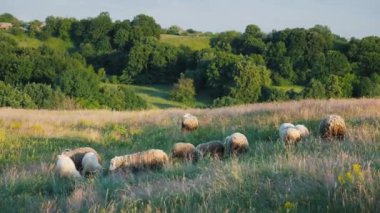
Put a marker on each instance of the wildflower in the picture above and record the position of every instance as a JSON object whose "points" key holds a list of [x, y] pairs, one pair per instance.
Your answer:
{"points": [[356, 168], [341, 180], [289, 205], [349, 177]]}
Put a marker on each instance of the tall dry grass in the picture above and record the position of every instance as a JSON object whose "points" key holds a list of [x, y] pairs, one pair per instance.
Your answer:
{"points": [[315, 176]]}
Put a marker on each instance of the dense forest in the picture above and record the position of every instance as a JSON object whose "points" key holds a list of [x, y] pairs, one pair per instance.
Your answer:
{"points": [[246, 67]]}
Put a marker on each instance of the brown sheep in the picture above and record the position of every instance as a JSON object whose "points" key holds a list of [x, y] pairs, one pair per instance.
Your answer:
{"points": [[189, 122], [77, 155], [332, 127], [185, 151], [214, 148], [236, 144], [151, 159]]}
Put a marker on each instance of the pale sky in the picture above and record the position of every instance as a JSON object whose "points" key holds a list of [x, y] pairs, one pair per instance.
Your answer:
{"points": [[347, 18]]}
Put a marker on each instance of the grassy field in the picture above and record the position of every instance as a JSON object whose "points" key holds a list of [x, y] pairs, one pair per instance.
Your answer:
{"points": [[158, 97], [315, 176], [54, 43], [194, 42]]}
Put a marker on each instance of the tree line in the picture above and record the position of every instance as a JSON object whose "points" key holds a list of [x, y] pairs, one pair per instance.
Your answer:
{"points": [[238, 68]]}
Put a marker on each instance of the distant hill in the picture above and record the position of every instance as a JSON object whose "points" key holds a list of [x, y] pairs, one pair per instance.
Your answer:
{"points": [[194, 42]]}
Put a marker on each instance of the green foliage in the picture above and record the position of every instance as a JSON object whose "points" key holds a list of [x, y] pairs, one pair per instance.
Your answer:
{"points": [[184, 91], [81, 83], [44, 96], [273, 94], [120, 98], [225, 101], [12, 97], [315, 90], [368, 87]]}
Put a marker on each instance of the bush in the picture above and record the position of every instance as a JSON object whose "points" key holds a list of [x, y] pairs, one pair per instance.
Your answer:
{"points": [[44, 96], [11, 97], [315, 90], [79, 83], [183, 91], [120, 98], [225, 101], [272, 94]]}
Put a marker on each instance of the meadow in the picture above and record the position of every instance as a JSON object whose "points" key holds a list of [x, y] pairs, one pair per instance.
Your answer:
{"points": [[315, 176], [193, 42]]}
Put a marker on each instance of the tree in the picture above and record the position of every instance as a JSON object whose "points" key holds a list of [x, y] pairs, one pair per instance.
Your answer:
{"points": [[315, 90], [144, 26], [226, 41], [79, 83], [174, 30], [184, 91], [247, 81], [251, 41]]}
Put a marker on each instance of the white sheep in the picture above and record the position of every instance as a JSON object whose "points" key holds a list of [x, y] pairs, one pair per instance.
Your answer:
{"points": [[285, 126], [90, 163], [153, 158], [236, 144], [77, 155], [290, 135], [65, 167], [189, 122], [303, 130]]}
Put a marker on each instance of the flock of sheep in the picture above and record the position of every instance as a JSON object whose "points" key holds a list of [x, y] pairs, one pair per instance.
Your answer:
{"points": [[82, 161]]}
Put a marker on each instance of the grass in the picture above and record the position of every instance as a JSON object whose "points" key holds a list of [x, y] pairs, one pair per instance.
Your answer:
{"points": [[315, 176], [54, 43], [287, 88], [158, 97], [194, 42]]}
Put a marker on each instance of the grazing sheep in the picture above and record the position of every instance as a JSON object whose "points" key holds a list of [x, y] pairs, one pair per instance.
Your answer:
{"points": [[189, 122], [214, 148], [153, 158], [332, 127], [90, 163], [77, 155], [185, 151], [290, 135], [303, 130], [284, 126], [65, 167], [236, 144]]}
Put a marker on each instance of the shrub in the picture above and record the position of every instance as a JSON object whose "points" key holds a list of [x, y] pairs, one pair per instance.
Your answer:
{"points": [[44, 96], [315, 90], [272, 94], [183, 91], [120, 98], [79, 83], [225, 101], [11, 97]]}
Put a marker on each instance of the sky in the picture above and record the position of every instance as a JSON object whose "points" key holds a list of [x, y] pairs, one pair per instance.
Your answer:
{"points": [[347, 18]]}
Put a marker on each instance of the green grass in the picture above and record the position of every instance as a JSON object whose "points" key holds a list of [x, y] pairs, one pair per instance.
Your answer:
{"points": [[194, 42], [287, 88], [315, 176], [158, 97], [54, 43]]}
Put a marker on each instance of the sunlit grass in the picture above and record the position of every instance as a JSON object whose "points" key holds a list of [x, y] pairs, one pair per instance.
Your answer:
{"points": [[315, 176], [194, 42]]}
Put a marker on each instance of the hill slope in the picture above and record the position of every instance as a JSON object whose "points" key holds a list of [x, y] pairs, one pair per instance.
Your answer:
{"points": [[194, 42], [315, 176]]}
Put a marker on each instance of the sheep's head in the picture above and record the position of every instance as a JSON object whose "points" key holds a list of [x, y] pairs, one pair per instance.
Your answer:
{"points": [[115, 163]]}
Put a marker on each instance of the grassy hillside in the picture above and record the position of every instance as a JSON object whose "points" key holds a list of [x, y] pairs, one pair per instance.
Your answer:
{"points": [[158, 97], [315, 176], [54, 43], [194, 42]]}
